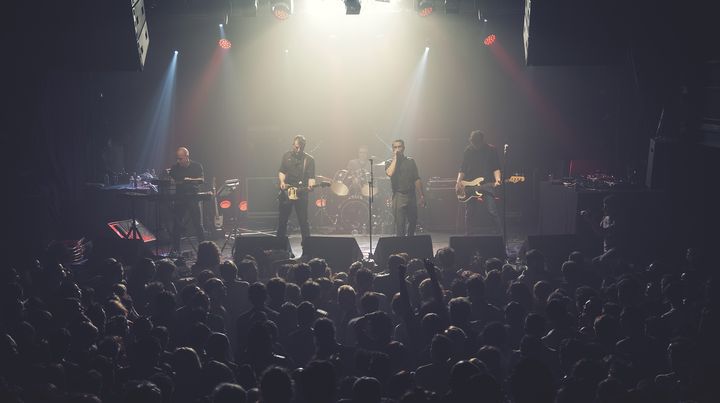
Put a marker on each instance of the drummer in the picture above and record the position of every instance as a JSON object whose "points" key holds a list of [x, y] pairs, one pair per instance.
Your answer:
{"points": [[360, 166]]}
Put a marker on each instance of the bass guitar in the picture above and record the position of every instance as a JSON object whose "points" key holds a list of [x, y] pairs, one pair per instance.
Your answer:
{"points": [[218, 217], [476, 188], [293, 192]]}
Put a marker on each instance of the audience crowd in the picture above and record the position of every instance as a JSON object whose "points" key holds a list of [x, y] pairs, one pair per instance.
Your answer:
{"points": [[158, 331]]}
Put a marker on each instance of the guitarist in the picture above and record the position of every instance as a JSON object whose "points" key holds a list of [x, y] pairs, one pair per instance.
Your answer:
{"points": [[297, 169], [480, 159]]}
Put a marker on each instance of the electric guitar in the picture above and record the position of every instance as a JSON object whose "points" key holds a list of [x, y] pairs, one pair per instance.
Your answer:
{"points": [[475, 188], [218, 217], [293, 192]]}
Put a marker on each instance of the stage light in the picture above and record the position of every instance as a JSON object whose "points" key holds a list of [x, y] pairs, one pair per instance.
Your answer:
{"points": [[352, 7], [220, 25], [225, 204], [176, 52], [424, 7], [281, 9], [320, 203], [243, 206], [489, 40], [225, 43]]}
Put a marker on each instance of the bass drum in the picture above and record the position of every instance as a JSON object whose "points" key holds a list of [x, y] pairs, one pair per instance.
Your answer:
{"points": [[353, 215]]}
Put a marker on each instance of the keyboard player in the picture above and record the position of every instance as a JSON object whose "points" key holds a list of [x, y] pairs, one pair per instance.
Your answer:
{"points": [[187, 175]]}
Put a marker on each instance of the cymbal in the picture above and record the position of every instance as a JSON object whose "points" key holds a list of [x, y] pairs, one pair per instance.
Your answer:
{"points": [[321, 178], [380, 164]]}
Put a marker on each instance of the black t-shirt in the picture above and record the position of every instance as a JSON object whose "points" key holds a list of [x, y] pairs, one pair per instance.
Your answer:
{"points": [[405, 175], [298, 168], [482, 161], [179, 173]]}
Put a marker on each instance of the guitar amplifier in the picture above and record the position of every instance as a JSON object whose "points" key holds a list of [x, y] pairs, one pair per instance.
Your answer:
{"points": [[262, 195], [443, 212], [436, 183]]}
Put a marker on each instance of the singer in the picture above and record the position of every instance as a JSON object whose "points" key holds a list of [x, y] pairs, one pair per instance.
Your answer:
{"points": [[480, 159]]}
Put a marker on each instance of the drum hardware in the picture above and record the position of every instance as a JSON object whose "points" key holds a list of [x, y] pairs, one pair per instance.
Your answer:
{"points": [[322, 217]]}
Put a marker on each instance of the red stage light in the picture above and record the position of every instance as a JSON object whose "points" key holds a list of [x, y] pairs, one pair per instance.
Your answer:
{"points": [[243, 205], [489, 40], [424, 12], [281, 11], [320, 203], [224, 43], [225, 204]]}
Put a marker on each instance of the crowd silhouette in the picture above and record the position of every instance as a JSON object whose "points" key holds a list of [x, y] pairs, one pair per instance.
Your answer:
{"points": [[157, 331]]}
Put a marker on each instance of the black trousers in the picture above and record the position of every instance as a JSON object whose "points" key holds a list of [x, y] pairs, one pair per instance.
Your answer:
{"points": [[180, 210], [301, 211], [405, 213], [474, 214]]}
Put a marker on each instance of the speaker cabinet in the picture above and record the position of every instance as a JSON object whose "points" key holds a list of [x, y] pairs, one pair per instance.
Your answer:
{"points": [[443, 212], [261, 193], [419, 246], [467, 247], [257, 245], [338, 252]]}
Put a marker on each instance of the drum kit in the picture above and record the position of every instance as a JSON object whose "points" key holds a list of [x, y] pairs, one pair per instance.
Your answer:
{"points": [[345, 206]]}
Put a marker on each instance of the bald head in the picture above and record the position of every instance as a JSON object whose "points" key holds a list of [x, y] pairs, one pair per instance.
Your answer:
{"points": [[183, 156]]}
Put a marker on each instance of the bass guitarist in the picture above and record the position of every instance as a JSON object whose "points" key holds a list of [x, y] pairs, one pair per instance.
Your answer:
{"points": [[480, 160], [297, 176]]}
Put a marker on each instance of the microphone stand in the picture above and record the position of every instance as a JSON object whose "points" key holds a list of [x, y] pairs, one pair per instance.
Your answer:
{"points": [[370, 202], [504, 199]]}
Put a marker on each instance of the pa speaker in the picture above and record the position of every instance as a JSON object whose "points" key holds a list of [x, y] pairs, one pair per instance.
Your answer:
{"points": [[419, 246], [467, 247], [338, 252], [555, 248]]}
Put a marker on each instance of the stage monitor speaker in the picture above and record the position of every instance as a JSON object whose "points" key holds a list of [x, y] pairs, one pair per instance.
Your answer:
{"points": [[338, 252], [122, 229], [486, 246], [555, 248], [257, 245], [419, 246], [260, 247]]}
